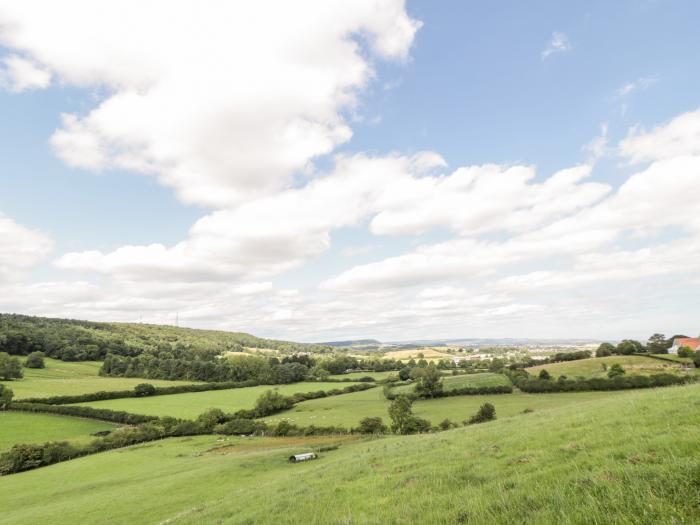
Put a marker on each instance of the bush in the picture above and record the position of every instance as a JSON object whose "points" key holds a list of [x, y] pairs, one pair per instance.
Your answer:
{"points": [[544, 375], [271, 402], [685, 351], [35, 360], [10, 367], [240, 427], [144, 389], [371, 425], [616, 370], [487, 412], [5, 397], [446, 424], [696, 359]]}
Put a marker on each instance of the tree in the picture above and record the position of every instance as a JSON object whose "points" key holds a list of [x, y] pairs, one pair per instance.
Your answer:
{"points": [[604, 350], [372, 425], [10, 367], [35, 360], [544, 375], [658, 344], [616, 370], [404, 373], [685, 351], [400, 413], [429, 382], [5, 397], [629, 346], [487, 412], [271, 402], [144, 389], [209, 419], [696, 359]]}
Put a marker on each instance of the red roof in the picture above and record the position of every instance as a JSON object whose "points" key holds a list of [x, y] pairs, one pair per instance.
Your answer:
{"points": [[690, 342]]}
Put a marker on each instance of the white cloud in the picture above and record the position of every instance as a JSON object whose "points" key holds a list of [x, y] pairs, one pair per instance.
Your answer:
{"points": [[20, 248], [227, 103], [640, 84], [19, 74], [559, 43], [680, 136]]}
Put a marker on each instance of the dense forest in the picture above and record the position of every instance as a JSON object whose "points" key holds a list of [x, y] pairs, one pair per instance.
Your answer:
{"points": [[71, 340]]}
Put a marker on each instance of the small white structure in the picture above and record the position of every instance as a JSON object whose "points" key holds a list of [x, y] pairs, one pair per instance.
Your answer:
{"points": [[691, 342], [296, 458]]}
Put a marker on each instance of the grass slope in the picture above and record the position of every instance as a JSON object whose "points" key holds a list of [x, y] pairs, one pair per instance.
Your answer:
{"points": [[60, 378], [593, 367], [348, 410], [588, 466], [22, 427], [465, 380], [190, 405]]}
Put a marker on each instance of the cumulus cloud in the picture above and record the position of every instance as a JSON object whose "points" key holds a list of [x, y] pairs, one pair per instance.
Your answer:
{"points": [[227, 103], [680, 136], [20, 248], [19, 74], [559, 43]]}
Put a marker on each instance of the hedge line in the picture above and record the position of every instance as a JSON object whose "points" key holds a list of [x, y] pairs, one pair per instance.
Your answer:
{"points": [[464, 391], [536, 385], [102, 414]]}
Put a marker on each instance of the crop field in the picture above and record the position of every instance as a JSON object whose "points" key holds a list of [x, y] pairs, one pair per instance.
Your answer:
{"points": [[547, 467], [348, 410], [428, 353], [190, 405], [23, 427], [593, 367], [61, 379]]}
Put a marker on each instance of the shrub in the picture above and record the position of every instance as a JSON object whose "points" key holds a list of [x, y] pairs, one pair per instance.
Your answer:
{"points": [[447, 424], [10, 367], [487, 412], [271, 402], [144, 389], [616, 370], [35, 360], [239, 427], [544, 375], [5, 397], [371, 425], [685, 351]]}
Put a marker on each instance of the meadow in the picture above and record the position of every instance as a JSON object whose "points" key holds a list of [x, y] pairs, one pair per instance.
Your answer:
{"points": [[555, 466], [190, 405], [347, 410], [428, 354], [22, 427], [464, 380], [61, 378], [593, 367]]}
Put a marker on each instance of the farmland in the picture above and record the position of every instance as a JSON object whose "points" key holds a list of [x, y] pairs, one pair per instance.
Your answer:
{"points": [[507, 471], [18, 427], [377, 376], [191, 405], [597, 366], [347, 410], [61, 379], [413, 353]]}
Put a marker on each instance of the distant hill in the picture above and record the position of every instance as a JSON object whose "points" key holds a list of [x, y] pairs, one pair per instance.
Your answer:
{"points": [[352, 342], [77, 340]]}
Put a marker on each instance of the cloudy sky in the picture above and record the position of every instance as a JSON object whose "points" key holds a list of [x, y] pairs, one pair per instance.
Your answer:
{"points": [[323, 169]]}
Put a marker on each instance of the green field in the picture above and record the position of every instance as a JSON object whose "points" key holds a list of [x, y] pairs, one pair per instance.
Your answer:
{"points": [[630, 458], [377, 376], [464, 380], [63, 379], [23, 427], [593, 367], [348, 410], [189, 406]]}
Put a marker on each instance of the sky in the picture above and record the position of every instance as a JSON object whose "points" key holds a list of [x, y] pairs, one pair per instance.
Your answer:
{"points": [[322, 169]]}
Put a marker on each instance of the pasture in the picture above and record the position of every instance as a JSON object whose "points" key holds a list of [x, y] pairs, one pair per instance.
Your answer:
{"points": [[597, 366], [547, 467], [347, 410], [412, 353], [190, 405], [464, 380], [61, 378], [377, 376], [23, 427]]}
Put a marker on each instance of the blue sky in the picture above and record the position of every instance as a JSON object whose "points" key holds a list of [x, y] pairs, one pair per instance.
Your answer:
{"points": [[274, 181]]}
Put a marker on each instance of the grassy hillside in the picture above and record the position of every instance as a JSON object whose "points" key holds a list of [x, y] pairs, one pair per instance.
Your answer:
{"points": [[189, 406], [588, 466], [465, 380], [60, 379], [22, 427], [633, 364], [347, 410], [73, 340]]}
